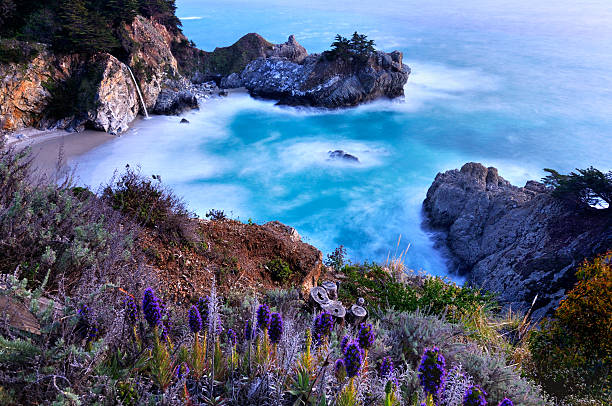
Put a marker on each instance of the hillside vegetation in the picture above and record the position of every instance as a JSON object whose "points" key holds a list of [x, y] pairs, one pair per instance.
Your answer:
{"points": [[105, 329], [86, 26]]}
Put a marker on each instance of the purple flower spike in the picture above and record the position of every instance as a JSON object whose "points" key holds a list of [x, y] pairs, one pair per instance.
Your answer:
{"points": [[195, 320], [432, 371], [131, 310], [365, 336], [263, 317], [323, 325], [343, 344], [276, 328], [386, 367], [249, 334], [151, 308], [182, 371], [203, 308], [231, 337], [474, 396], [352, 359], [506, 402]]}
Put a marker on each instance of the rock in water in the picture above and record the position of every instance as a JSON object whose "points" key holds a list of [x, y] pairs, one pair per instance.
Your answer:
{"points": [[339, 154], [518, 242], [291, 76], [184, 121]]}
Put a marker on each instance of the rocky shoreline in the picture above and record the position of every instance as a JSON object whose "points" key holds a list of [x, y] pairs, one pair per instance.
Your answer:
{"points": [[162, 74], [519, 242]]}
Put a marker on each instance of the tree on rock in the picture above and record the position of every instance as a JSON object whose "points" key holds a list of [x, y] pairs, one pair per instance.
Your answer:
{"points": [[587, 187]]}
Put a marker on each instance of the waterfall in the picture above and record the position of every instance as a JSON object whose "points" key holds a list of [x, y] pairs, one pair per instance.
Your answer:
{"points": [[138, 90]]}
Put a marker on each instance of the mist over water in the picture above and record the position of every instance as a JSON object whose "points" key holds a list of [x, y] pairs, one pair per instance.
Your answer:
{"points": [[517, 86]]}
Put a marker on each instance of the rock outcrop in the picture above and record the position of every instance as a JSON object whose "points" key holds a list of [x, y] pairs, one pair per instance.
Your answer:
{"points": [[74, 91], [517, 242], [287, 74], [105, 97]]}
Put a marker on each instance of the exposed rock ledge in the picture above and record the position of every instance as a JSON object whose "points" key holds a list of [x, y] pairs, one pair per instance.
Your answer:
{"points": [[291, 76], [518, 242]]}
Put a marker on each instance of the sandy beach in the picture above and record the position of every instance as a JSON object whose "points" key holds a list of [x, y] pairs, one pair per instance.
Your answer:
{"points": [[52, 149]]}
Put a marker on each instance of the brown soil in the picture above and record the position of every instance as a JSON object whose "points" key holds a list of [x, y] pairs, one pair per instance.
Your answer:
{"points": [[236, 254]]}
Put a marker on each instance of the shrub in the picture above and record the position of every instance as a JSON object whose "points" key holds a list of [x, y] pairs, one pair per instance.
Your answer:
{"points": [[49, 228], [151, 205], [572, 353], [439, 296], [279, 270]]}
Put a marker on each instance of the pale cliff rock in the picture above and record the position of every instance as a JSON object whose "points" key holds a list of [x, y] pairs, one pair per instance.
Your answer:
{"points": [[517, 242], [150, 57], [117, 101]]}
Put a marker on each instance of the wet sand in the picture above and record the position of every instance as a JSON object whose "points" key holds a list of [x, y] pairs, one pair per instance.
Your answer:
{"points": [[52, 150]]}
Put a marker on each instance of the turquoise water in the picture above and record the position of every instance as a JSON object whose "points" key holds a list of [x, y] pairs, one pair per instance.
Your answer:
{"points": [[511, 84]]}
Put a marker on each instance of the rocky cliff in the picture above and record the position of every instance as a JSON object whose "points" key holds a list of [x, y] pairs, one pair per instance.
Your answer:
{"points": [[291, 76], [517, 241], [73, 91]]}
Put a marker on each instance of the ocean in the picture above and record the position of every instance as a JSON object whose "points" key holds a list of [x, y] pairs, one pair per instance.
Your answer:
{"points": [[519, 85]]}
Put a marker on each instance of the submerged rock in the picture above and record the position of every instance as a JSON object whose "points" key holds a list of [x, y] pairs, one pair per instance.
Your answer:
{"points": [[517, 242], [294, 78], [340, 154]]}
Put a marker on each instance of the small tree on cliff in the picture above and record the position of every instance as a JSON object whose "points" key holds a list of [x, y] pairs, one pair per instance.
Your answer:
{"points": [[587, 187], [358, 47]]}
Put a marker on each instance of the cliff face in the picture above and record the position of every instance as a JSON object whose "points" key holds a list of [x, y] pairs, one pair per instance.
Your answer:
{"points": [[518, 242], [75, 91], [290, 76]]}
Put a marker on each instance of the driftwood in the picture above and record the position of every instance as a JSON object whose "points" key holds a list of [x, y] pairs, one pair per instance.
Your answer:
{"points": [[332, 289], [356, 314], [335, 308]]}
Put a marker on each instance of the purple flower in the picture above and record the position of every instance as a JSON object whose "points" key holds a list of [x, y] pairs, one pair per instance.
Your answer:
{"points": [[203, 308], [131, 310], [323, 325], [195, 320], [263, 317], [386, 367], [182, 371], [344, 343], [474, 396], [365, 337], [151, 308], [340, 369], [231, 337], [432, 371], [276, 328], [352, 359], [249, 334], [506, 402]]}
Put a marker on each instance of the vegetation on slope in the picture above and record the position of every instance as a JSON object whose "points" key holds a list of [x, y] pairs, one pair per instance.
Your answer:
{"points": [[107, 338], [86, 26]]}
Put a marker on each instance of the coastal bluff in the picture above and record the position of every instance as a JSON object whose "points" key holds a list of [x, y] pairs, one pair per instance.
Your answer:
{"points": [[519, 242]]}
